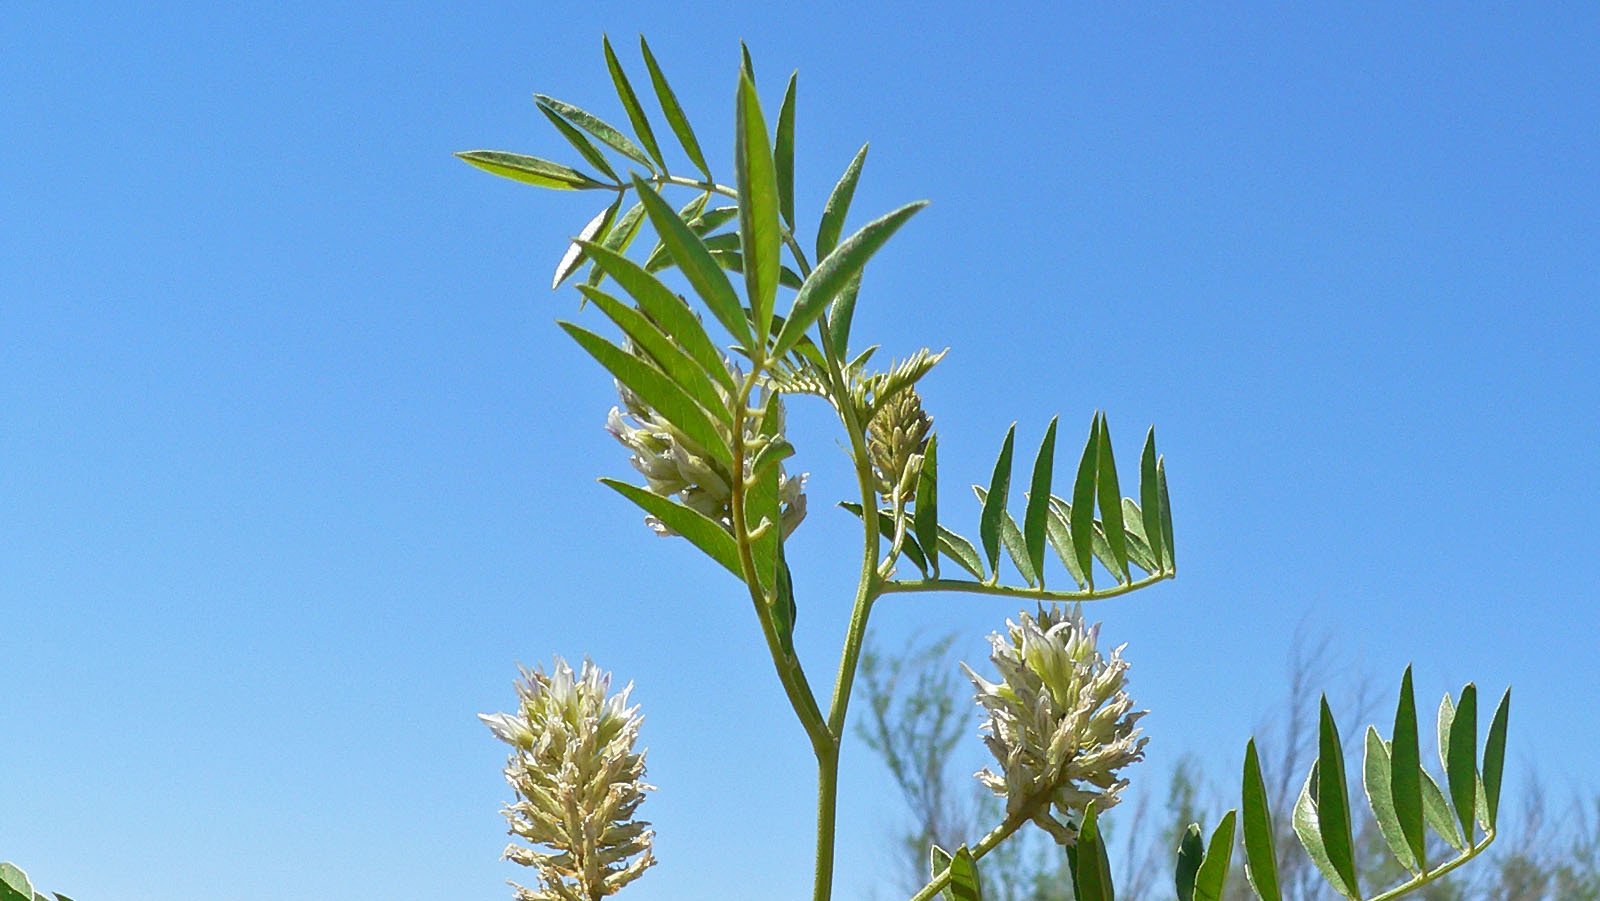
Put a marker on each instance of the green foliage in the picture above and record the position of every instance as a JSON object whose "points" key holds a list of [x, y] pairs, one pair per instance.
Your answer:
{"points": [[712, 447], [15, 886]]}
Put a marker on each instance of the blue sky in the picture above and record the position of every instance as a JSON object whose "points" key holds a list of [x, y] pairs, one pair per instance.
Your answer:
{"points": [[294, 466]]}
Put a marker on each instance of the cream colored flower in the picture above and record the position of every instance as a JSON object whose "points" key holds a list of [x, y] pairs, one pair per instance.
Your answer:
{"points": [[1060, 723], [578, 784], [672, 465]]}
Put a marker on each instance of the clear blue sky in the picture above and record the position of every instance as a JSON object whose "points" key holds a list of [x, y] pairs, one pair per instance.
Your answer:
{"points": [[294, 465]]}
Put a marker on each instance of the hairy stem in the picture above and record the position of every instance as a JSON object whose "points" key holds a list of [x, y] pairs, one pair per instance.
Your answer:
{"points": [[1422, 879], [790, 674], [712, 187], [1012, 591]]}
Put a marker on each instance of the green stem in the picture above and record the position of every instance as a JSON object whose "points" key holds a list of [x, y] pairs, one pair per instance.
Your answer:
{"points": [[1011, 591], [714, 188], [790, 673], [827, 807], [996, 835], [1422, 879]]}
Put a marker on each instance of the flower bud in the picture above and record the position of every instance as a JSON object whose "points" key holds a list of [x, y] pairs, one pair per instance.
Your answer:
{"points": [[896, 437]]}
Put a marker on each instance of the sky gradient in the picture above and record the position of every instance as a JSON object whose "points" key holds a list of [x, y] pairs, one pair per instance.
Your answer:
{"points": [[294, 466]]}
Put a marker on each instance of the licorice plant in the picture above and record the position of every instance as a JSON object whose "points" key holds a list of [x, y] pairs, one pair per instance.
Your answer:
{"points": [[701, 412]]}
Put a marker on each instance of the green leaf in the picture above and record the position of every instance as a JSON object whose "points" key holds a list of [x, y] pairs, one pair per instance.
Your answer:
{"points": [[1494, 756], [733, 262], [1082, 508], [836, 270], [674, 112], [757, 180], [1447, 715], [938, 861], [1011, 538], [14, 883], [702, 531], [666, 310], [670, 400], [964, 884], [1436, 810], [622, 233], [773, 453], [1017, 548], [783, 607], [630, 102], [961, 550], [762, 502], [1036, 519], [783, 153], [1461, 770], [1168, 553], [838, 206], [1261, 856], [1060, 532], [1405, 774], [1191, 852], [1307, 827], [840, 314], [668, 356], [1333, 802], [696, 263], [1093, 873], [531, 170], [909, 546], [926, 523], [748, 67], [575, 255], [1213, 873], [1139, 552], [600, 129], [1111, 503], [1380, 797], [1102, 552], [1150, 499], [711, 220], [582, 144], [994, 504]]}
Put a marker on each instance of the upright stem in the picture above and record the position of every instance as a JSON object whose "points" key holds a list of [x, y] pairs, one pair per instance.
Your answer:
{"points": [[827, 808]]}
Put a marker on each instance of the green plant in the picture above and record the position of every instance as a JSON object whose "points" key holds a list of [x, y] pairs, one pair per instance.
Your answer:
{"points": [[702, 414], [15, 886]]}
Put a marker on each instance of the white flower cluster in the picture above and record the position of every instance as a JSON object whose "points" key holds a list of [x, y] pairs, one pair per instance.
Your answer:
{"points": [[1060, 723], [672, 465], [578, 783]]}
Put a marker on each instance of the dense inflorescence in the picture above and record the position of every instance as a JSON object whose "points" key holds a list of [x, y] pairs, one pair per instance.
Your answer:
{"points": [[1060, 722], [578, 784]]}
